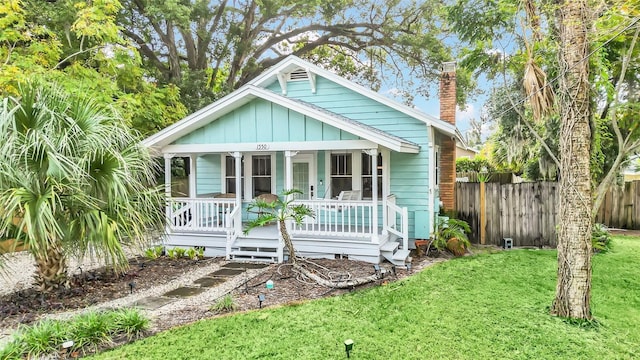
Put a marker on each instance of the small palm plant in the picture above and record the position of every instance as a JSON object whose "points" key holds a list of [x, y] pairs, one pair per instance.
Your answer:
{"points": [[452, 235], [281, 211]]}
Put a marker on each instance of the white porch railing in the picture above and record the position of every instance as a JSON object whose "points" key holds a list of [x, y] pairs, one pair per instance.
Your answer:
{"points": [[233, 221], [336, 218], [186, 214], [397, 221]]}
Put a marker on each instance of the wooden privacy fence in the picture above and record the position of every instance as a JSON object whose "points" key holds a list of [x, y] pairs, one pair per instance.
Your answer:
{"points": [[527, 212], [621, 207]]}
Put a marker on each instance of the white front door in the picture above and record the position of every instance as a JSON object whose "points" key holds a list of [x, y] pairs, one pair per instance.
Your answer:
{"points": [[304, 176]]}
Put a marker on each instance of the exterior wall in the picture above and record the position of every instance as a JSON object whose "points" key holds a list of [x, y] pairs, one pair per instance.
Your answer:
{"points": [[262, 121], [409, 172], [465, 153], [208, 174]]}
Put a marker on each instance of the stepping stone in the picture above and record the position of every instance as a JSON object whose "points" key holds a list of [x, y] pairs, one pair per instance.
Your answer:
{"points": [[209, 281], [183, 292], [227, 272], [237, 265], [152, 302]]}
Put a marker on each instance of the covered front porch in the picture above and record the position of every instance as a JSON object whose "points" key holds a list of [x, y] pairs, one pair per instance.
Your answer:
{"points": [[344, 183]]}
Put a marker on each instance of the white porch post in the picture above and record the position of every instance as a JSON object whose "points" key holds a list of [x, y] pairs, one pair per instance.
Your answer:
{"points": [[167, 185], [385, 191], [288, 165], [193, 176], [238, 160], [373, 153]]}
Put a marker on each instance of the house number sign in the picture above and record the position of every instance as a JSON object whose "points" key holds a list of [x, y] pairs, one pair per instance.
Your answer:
{"points": [[262, 147]]}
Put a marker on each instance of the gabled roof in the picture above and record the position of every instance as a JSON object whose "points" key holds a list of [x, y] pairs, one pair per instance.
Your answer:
{"points": [[293, 62], [249, 92]]}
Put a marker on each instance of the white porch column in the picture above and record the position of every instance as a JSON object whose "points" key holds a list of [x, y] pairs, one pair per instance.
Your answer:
{"points": [[288, 166], [167, 186], [385, 191], [373, 153], [238, 160], [193, 176]]}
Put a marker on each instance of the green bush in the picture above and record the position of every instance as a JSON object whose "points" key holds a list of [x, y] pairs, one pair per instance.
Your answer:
{"points": [[180, 252], [600, 238], [87, 331], [477, 164], [192, 254], [450, 228], [225, 304], [154, 252]]}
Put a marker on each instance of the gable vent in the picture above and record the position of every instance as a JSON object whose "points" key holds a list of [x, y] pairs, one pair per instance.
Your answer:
{"points": [[298, 74]]}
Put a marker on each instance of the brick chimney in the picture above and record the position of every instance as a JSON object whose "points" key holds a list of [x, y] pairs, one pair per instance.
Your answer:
{"points": [[448, 143]]}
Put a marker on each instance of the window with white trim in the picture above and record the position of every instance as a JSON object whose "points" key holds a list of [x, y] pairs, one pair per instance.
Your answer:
{"points": [[230, 174], [341, 173], [367, 184], [261, 174]]}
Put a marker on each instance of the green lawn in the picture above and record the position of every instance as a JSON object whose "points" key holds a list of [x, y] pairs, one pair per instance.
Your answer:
{"points": [[490, 306]]}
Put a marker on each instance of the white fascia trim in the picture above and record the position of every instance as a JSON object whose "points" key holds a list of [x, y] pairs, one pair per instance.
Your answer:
{"points": [[266, 78], [270, 147]]}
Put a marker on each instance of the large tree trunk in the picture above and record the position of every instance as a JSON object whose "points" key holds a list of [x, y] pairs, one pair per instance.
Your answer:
{"points": [[51, 269], [573, 290]]}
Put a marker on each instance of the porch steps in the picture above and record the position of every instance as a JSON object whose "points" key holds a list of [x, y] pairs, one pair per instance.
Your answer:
{"points": [[254, 249], [389, 250]]}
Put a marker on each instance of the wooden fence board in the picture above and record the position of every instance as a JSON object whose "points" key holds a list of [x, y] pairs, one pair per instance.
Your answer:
{"points": [[527, 212]]}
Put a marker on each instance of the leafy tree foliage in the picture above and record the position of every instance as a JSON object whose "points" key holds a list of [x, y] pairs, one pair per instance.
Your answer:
{"points": [[78, 45], [208, 48], [73, 182]]}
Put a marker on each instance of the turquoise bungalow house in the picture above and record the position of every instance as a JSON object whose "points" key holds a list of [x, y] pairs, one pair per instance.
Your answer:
{"points": [[369, 167]]}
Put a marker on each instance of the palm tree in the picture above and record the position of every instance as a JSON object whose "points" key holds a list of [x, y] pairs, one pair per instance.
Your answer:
{"points": [[74, 181], [280, 211]]}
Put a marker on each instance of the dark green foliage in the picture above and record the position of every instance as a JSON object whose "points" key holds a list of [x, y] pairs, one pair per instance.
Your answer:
{"points": [[600, 239], [476, 164], [450, 228]]}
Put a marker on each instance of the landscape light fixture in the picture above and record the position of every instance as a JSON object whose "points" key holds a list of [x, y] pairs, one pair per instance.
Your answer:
{"points": [[393, 270], [376, 268], [260, 300], [132, 285], [269, 284], [409, 267], [348, 346]]}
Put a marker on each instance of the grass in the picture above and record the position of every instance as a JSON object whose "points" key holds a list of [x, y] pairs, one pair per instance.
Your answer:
{"points": [[489, 306]]}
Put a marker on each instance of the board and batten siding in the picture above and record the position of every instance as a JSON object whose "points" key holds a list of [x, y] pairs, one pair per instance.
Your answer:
{"points": [[208, 174], [263, 121], [409, 172]]}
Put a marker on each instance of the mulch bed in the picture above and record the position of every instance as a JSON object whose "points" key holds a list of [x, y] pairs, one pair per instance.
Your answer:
{"points": [[93, 287]]}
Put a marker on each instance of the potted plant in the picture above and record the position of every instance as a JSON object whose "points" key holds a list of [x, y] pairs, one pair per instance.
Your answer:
{"points": [[451, 235]]}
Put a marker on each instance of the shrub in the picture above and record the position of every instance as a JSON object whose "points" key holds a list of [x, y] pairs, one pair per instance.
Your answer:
{"points": [[224, 304], [449, 229], [180, 252], [600, 238], [44, 339], [172, 253], [154, 252], [131, 323], [192, 254]]}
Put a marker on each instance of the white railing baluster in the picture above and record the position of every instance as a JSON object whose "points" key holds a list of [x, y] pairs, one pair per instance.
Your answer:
{"points": [[188, 214]]}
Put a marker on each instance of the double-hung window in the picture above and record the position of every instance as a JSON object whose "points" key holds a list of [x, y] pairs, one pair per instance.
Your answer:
{"points": [[230, 174], [341, 173], [261, 174], [367, 182]]}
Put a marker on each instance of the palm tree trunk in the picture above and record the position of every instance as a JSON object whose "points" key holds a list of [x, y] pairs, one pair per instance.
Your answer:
{"points": [[573, 290], [51, 269], [287, 241]]}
